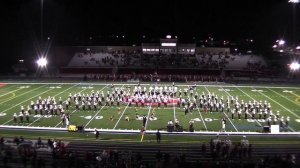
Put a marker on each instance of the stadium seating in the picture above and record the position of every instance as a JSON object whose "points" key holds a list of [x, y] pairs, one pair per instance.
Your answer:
{"points": [[137, 60], [84, 154]]}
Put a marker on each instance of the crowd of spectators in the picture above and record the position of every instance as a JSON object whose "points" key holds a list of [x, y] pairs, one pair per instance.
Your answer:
{"points": [[17, 152], [137, 59], [214, 61], [155, 77]]}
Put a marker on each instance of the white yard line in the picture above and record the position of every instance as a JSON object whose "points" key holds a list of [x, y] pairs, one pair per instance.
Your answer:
{"points": [[61, 121], [174, 110], [225, 114], [27, 100], [199, 112], [285, 96], [94, 116], [148, 115], [292, 129], [122, 112], [121, 116], [52, 96], [11, 92], [249, 97], [201, 116], [22, 94], [73, 110], [280, 105], [97, 112], [23, 102]]}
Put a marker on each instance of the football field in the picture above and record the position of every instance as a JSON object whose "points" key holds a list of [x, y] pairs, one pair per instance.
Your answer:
{"points": [[286, 100]]}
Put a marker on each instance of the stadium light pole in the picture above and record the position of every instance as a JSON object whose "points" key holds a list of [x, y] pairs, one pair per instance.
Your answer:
{"points": [[42, 20], [41, 65], [294, 24]]}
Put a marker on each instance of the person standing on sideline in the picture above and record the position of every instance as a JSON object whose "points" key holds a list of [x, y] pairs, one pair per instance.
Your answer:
{"points": [[97, 134], [158, 136], [144, 120], [223, 124]]}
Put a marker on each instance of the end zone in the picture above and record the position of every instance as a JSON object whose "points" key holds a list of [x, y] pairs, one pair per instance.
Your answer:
{"points": [[3, 84]]}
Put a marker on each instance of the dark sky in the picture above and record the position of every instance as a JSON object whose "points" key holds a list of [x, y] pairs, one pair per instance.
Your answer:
{"points": [[72, 22]]}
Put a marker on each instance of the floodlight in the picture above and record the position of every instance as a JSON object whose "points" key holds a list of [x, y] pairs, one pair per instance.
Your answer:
{"points": [[168, 44], [281, 42], [298, 48], [168, 36], [294, 66], [42, 62], [294, 1], [274, 46]]}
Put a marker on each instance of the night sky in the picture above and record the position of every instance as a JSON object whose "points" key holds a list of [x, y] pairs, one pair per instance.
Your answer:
{"points": [[73, 22]]}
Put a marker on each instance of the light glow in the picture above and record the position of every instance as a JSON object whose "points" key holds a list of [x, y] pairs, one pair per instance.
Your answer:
{"points": [[168, 44], [168, 36], [294, 1], [281, 42], [294, 66], [42, 62]]}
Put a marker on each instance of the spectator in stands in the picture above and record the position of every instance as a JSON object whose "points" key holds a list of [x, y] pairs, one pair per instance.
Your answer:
{"points": [[1, 141], [16, 141], [250, 151], [203, 148], [50, 144], [21, 139], [158, 155], [39, 142]]}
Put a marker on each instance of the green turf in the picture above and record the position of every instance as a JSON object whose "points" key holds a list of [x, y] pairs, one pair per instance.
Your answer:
{"points": [[286, 100]]}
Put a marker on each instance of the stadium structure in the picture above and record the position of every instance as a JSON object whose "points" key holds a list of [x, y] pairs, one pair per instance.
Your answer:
{"points": [[157, 103], [181, 89]]}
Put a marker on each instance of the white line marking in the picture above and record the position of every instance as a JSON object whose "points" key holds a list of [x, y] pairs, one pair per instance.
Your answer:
{"points": [[21, 103], [199, 111], [148, 115], [26, 100], [225, 114], [252, 99], [279, 104], [11, 92], [61, 121], [94, 116], [75, 109], [53, 96], [22, 94], [121, 116], [285, 96], [201, 117], [174, 110]]}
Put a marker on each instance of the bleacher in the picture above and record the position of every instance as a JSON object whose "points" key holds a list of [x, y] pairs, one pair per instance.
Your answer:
{"points": [[198, 61], [132, 154], [231, 62], [129, 63]]}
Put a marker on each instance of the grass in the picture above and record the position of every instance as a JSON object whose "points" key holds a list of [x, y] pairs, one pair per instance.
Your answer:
{"points": [[13, 95]]}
